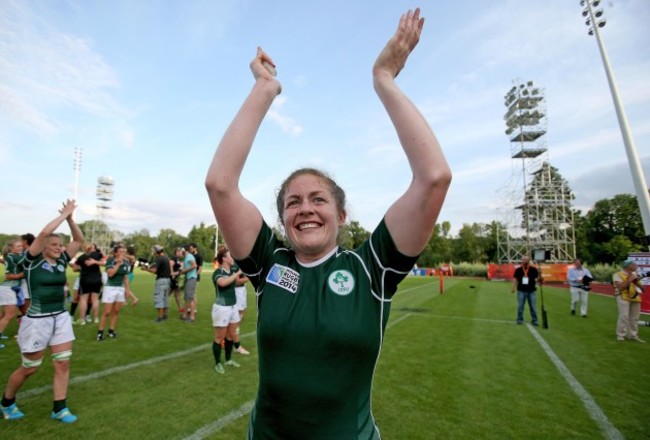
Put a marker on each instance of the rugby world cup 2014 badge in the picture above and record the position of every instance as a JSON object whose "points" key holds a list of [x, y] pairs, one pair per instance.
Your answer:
{"points": [[341, 282], [284, 277]]}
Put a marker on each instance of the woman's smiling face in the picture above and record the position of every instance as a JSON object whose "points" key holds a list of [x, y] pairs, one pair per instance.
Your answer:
{"points": [[311, 217]]}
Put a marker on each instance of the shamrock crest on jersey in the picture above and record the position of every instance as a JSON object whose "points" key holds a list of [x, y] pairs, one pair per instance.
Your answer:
{"points": [[341, 282]]}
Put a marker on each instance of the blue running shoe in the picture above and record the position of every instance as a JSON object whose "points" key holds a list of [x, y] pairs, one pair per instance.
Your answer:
{"points": [[11, 412], [64, 415]]}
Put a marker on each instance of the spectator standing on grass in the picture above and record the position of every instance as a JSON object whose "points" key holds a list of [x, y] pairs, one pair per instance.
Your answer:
{"points": [[130, 256], [162, 267], [322, 310], [199, 269], [525, 278], [579, 278], [190, 272], [10, 287], [225, 316], [47, 322], [27, 240], [114, 291], [175, 288], [628, 298], [90, 281]]}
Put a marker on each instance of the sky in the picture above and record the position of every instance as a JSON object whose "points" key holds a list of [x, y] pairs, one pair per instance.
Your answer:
{"points": [[146, 89]]}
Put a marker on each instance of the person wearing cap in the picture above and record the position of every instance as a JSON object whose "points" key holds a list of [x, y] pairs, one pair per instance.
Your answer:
{"points": [[576, 276], [162, 267], [628, 297]]}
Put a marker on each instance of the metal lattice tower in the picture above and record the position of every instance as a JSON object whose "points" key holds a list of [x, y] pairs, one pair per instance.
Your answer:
{"points": [[101, 234], [536, 206]]}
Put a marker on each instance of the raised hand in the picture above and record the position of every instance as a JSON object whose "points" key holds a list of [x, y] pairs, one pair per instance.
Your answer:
{"points": [[68, 208], [263, 67], [394, 55]]}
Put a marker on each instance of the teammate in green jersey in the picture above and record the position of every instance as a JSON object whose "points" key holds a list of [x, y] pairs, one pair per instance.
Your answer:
{"points": [[322, 310], [225, 315], [10, 288], [48, 322]]}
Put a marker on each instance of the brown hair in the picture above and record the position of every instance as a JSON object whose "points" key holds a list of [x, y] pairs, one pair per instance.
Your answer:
{"points": [[222, 253], [336, 191]]}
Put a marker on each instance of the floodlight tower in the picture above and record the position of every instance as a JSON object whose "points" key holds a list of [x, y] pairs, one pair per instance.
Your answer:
{"points": [[101, 235], [78, 151], [595, 21], [538, 206]]}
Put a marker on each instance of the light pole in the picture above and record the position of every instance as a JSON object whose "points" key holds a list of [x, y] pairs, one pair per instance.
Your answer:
{"points": [[595, 21], [78, 151]]}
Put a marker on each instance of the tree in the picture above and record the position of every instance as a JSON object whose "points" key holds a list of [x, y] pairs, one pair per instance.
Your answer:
{"points": [[469, 244], [608, 221], [142, 241], [204, 237], [170, 240], [438, 249], [352, 234]]}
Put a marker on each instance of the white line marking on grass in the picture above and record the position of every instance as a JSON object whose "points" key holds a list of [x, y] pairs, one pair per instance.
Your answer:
{"points": [[595, 412], [81, 379], [218, 425]]}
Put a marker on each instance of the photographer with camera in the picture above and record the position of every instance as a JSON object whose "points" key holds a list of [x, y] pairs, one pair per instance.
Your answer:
{"points": [[579, 279], [628, 297]]}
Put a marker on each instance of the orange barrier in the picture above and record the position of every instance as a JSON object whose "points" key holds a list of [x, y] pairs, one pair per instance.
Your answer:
{"points": [[553, 273]]}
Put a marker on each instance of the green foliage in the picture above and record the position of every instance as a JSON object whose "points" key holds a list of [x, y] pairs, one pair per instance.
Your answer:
{"points": [[352, 234], [612, 229], [470, 270], [603, 272], [204, 237]]}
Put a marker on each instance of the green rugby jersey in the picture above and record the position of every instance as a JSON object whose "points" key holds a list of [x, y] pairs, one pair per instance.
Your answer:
{"points": [[45, 282], [319, 331], [117, 280], [225, 295], [13, 265]]}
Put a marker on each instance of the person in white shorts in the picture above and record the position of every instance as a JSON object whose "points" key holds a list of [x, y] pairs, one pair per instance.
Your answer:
{"points": [[240, 294], [114, 291], [47, 323], [225, 315], [10, 287]]}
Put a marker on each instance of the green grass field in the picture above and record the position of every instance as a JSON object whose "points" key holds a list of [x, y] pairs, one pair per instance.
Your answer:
{"points": [[453, 366]]}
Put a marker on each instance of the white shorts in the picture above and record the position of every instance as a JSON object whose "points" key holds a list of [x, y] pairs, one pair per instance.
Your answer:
{"points": [[23, 285], [224, 315], [8, 296], [113, 294], [36, 334], [240, 291]]}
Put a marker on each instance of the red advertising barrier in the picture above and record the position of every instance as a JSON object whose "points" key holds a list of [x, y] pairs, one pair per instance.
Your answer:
{"points": [[552, 273], [500, 271]]}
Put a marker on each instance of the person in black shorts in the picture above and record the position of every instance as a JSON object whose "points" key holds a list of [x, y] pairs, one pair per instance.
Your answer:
{"points": [[90, 281], [322, 309]]}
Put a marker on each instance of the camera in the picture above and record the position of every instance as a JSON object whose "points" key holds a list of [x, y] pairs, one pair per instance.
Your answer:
{"points": [[144, 263], [643, 274]]}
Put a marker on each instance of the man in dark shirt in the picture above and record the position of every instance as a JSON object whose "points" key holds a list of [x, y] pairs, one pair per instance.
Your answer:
{"points": [[162, 268], [524, 282]]}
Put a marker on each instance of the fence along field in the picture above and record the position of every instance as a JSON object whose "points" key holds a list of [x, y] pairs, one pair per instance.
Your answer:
{"points": [[453, 366]]}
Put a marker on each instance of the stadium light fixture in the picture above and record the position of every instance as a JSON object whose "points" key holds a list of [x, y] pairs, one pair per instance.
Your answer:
{"points": [[595, 16]]}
